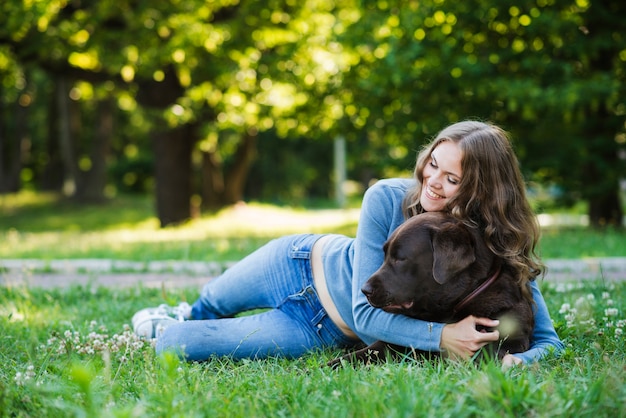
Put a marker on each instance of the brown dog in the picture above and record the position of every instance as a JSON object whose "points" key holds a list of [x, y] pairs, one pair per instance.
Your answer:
{"points": [[438, 269]]}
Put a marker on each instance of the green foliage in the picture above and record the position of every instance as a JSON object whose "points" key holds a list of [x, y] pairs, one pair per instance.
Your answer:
{"points": [[551, 72], [385, 74], [68, 352]]}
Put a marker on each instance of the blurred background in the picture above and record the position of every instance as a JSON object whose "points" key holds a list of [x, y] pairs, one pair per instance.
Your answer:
{"points": [[198, 105]]}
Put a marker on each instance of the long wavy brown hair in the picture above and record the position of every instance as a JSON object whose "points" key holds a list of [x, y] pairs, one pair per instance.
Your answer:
{"points": [[491, 195]]}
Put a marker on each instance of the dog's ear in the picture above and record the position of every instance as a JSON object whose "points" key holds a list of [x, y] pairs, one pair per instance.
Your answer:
{"points": [[453, 251]]}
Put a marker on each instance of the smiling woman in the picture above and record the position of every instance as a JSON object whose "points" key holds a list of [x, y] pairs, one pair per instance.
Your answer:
{"points": [[442, 176]]}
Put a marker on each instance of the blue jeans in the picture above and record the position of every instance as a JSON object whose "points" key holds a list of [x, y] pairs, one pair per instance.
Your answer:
{"points": [[277, 277]]}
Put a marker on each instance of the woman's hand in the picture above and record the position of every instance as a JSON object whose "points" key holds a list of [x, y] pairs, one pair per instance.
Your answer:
{"points": [[462, 340]]}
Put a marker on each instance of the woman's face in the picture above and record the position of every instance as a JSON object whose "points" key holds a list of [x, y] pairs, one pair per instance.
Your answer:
{"points": [[442, 176]]}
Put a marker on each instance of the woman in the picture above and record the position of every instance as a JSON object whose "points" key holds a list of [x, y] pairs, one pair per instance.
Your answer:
{"points": [[311, 283]]}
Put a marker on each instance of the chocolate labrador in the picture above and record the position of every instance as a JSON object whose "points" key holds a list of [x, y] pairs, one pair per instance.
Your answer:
{"points": [[438, 269]]}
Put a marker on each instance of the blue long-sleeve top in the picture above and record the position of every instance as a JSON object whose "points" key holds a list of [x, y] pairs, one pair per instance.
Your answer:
{"points": [[349, 262]]}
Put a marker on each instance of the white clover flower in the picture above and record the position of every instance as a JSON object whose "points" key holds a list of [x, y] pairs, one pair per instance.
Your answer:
{"points": [[94, 342], [560, 288], [19, 379], [606, 295], [619, 332], [565, 308], [611, 312]]}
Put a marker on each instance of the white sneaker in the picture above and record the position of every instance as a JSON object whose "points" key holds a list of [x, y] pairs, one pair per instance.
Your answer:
{"points": [[150, 322]]}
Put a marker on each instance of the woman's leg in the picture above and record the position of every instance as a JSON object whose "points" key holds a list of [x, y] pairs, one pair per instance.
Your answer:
{"points": [[276, 332], [263, 279], [277, 276]]}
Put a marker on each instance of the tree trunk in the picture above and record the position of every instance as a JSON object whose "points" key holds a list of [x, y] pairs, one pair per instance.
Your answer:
{"points": [[12, 139], [237, 175], [172, 150], [173, 173], [212, 181], [4, 145], [93, 182], [220, 189], [601, 123], [605, 210], [65, 137], [602, 176], [52, 173]]}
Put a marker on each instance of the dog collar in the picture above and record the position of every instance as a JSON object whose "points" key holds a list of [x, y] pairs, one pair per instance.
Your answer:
{"points": [[480, 289]]}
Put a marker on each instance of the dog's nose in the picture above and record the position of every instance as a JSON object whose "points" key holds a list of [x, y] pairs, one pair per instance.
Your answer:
{"points": [[367, 289]]}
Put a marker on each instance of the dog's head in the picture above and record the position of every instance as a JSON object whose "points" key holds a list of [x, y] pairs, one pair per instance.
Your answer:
{"points": [[431, 261]]}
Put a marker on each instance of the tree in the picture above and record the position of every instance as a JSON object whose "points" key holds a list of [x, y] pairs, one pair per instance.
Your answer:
{"points": [[569, 92], [13, 113], [212, 74], [552, 72], [213, 79]]}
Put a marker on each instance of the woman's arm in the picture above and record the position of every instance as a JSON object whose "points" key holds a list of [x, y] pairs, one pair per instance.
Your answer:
{"points": [[381, 214], [462, 339], [544, 339]]}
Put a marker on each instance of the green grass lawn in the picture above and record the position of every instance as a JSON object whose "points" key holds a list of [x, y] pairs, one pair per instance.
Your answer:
{"points": [[125, 228], [68, 352], [42, 226]]}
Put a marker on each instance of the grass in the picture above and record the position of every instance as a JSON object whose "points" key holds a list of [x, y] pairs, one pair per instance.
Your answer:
{"points": [[125, 228], [46, 227], [68, 352]]}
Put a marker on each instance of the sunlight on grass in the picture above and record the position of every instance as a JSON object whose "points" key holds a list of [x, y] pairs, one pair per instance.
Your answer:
{"points": [[22, 310], [239, 221], [245, 220], [227, 235], [44, 226], [12, 202]]}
